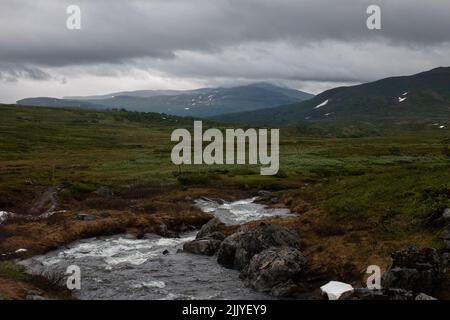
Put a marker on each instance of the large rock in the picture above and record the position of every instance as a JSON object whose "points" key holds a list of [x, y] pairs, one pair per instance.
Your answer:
{"points": [[209, 230], [273, 267], [445, 237], [237, 250], [382, 294], [414, 270], [206, 247], [423, 296], [446, 215]]}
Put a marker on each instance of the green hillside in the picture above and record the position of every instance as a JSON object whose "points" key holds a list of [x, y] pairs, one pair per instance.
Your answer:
{"points": [[419, 97]]}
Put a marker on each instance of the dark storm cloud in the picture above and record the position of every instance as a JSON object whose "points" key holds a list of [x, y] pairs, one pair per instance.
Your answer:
{"points": [[201, 42], [116, 30], [13, 73]]}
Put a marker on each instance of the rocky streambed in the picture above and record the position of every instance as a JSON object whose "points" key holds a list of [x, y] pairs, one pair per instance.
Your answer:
{"points": [[123, 267], [263, 261]]}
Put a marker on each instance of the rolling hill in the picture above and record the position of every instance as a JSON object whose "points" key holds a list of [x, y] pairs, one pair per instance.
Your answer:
{"points": [[205, 102], [421, 96]]}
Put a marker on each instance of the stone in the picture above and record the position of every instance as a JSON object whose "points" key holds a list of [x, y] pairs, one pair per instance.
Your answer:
{"points": [[206, 247], [165, 252], [285, 289], [34, 297], [264, 193], [237, 250], [209, 228], [381, 294], [446, 215], [445, 237], [104, 192], [31, 292], [274, 266], [413, 270], [85, 217], [423, 296]]}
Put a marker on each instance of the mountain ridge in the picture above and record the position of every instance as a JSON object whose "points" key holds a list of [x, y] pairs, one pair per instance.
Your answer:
{"points": [[425, 94], [203, 102]]}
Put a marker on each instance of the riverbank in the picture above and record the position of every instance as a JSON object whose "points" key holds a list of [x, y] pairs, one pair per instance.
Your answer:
{"points": [[331, 251]]}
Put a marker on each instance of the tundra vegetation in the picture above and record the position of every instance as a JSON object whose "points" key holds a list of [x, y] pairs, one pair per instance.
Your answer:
{"points": [[360, 191]]}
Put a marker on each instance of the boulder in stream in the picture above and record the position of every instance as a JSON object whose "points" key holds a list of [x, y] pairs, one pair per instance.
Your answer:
{"points": [[206, 247], [209, 230], [237, 250], [273, 269]]}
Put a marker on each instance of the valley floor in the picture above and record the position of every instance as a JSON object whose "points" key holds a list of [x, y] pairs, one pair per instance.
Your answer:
{"points": [[360, 192]]}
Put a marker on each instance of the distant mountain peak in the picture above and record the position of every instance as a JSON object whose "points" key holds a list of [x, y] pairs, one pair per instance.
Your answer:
{"points": [[203, 102]]}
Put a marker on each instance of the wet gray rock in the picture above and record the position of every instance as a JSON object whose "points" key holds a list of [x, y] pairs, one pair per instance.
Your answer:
{"points": [[414, 270], [423, 296], [209, 229], [446, 215], [105, 192], [445, 261], [274, 268], [206, 247], [264, 193], [237, 250], [381, 294], [34, 297], [285, 290], [31, 292], [85, 217], [445, 237]]}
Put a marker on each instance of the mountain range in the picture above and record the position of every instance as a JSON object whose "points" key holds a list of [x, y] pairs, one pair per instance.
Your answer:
{"points": [[204, 102], [424, 95]]}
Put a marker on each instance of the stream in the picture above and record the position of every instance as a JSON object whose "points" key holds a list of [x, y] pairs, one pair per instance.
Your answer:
{"points": [[123, 267]]}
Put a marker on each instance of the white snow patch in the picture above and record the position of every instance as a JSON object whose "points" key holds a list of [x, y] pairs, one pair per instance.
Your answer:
{"points": [[186, 108], [400, 99], [322, 104], [441, 127], [328, 114], [335, 289], [21, 250], [405, 94]]}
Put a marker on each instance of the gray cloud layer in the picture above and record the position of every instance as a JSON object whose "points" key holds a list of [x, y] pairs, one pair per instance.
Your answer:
{"points": [[203, 41]]}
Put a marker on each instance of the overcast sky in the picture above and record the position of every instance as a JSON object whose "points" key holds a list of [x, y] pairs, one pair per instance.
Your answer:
{"points": [[310, 45]]}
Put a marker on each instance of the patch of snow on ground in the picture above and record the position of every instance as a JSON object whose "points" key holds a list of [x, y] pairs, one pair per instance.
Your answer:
{"points": [[322, 104], [335, 289], [405, 94], [400, 99], [441, 127]]}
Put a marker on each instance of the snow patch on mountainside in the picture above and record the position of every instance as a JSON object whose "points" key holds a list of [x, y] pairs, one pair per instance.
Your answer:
{"points": [[322, 104]]}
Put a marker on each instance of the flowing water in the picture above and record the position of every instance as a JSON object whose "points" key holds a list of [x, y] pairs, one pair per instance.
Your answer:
{"points": [[122, 267]]}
